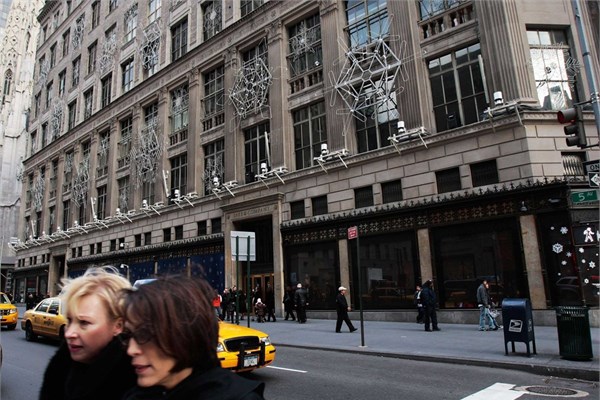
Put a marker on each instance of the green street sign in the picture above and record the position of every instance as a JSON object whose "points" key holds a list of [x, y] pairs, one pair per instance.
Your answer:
{"points": [[584, 196]]}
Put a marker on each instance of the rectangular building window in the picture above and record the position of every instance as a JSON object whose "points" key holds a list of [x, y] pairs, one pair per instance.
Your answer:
{"points": [[391, 191], [214, 96], [62, 82], [255, 148], [53, 55], [310, 132], [448, 180], [124, 192], [367, 21], [179, 174], [103, 153], [179, 40], [167, 234], [215, 224], [212, 18], [305, 54], [247, 6], [101, 202], [214, 164], [147, 238], [112, 5], [179, 232], [484, 173], [92, 53], [88, 103], [554, 69], [72, 109], [66, 39], [131, 17], [98, 247], [95, 14], [297, 209], [153, 10], [319, 205], [76, 65], [202, 230], [124, 145], [363, 197], [137, 239], [457, 88], [180, 102], [49, 94], [431, 8], [127, 75], [148, 192], [106, 90]]}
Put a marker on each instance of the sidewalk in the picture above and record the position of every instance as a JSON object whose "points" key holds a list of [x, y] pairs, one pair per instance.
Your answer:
{"points": [[455, 343]]}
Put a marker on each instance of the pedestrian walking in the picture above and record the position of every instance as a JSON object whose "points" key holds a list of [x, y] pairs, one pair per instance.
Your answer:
{"points": [[419, 304], [484, 302], [30, 301], [260, 308], [270, 303], [216, 302], [429, 301], [288, 303], [342, 308], [301, 302]]}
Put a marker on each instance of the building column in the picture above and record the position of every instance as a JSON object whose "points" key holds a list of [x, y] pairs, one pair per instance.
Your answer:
{"points": [[504, 46], [533, 262], [343, 251], [424, 246], [195, 158]]}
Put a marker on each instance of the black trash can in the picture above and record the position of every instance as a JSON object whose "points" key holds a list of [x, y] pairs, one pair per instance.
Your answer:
{"points": [[518, 324], [574, 337]]}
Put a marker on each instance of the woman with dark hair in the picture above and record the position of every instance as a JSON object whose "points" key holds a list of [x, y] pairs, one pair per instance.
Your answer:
{"points": [[178, 360]]}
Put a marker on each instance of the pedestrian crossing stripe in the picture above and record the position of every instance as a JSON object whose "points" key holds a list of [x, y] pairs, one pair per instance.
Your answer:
{"points": [[498, 391]]}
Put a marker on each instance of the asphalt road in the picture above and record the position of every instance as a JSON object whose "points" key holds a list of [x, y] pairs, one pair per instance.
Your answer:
{"points": [[300, 374]]}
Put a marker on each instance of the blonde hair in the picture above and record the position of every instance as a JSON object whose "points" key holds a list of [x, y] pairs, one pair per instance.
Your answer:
{"points": [[105, 282]]}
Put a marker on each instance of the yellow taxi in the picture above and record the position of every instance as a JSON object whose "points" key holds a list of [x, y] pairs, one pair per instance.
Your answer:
{"points": [[45, 319], [243, 349], [8, 311]]}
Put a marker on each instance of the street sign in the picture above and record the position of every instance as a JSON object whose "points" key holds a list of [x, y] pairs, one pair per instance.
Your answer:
{"points": [[243, 244], [584, 196], [352, 232], [592, 170]]}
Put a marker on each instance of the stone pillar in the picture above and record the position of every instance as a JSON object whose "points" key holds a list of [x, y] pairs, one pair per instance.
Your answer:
{"points": [[424, 246], [333, 22], [278, 275], [505, 48], [533, 262], [233, 155], [195, 160], [343, 251], [280, 116]]}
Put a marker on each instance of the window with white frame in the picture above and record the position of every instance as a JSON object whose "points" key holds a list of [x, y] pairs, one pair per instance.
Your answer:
{"points": [[212, 18], [309, 133], [554, 70], [88, 103], [106, 90], [457, 88], [131, 18], [153, 10], [247, 6], [305, 54], [213, 98], [124, 145], [179, 114]]}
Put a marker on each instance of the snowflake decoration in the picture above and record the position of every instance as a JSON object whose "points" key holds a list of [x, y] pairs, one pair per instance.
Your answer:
{"points": [[147, 154], [564, 230], [180, 100], [586, 281], [103, 146], [214, 168], [38, 192], [109, 47], [251, 87], [368, 78], [213, 17], [592, 264], [563, 262], [56, 118], [557, 248], [150, 46], [69, 163], [581, 250], [78, 30], [81, 182]]}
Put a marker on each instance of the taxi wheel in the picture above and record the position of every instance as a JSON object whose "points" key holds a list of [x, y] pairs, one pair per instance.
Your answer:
{"points": [[29, 335]]}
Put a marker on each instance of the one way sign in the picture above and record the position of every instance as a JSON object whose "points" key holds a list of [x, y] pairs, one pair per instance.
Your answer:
{"points": [[592, 169]]}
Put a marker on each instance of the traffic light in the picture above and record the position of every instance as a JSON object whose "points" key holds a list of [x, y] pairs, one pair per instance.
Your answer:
{"points": [[575, 130]]}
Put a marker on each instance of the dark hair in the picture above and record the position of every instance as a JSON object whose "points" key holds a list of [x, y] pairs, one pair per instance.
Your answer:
{"points": [[178, 313]]}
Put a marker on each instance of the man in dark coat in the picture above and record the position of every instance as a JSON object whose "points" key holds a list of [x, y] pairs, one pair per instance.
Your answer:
{"points": [[342, 308], [429, 302], [288, 303], [301, 301], [270, 303]]}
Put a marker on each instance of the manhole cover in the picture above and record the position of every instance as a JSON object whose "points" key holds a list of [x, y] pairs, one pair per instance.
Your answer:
{"points": [[552, 391]]}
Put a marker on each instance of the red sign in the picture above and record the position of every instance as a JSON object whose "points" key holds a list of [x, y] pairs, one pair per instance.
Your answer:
{"points": [[352, 232]]}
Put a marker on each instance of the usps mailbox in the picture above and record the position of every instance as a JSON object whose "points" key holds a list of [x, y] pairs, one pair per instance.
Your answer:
{"points": [[518, 324]]}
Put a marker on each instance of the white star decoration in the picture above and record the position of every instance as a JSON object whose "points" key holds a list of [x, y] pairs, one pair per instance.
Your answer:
{"points": [[581, 250], [564, 230], [592, 264], [557, 248]]}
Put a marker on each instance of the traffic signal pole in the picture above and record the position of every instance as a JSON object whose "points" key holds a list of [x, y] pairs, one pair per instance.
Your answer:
{"points": [[587, 61]]}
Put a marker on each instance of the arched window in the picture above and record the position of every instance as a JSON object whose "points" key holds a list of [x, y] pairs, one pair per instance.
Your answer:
{"points": [[7, 82]]}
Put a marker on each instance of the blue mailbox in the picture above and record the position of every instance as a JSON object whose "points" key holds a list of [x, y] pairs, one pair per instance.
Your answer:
{"points": [[518, 324]]}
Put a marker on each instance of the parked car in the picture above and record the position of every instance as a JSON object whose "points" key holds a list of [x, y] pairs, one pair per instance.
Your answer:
{"points": [[240, 349], [8, 311], [46, 319]]}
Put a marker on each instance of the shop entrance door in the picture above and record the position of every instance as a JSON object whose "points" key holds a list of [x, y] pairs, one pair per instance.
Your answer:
{"points": [[260, 282]]}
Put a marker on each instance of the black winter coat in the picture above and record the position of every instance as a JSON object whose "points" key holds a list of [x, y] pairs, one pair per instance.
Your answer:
{"points": [[341, 303], [214, 384], [301, 297], [109, 377], [428, 297]]}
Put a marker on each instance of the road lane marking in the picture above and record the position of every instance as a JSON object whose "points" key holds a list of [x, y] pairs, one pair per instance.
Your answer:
{"points": [[498, 391], [287, 369]]}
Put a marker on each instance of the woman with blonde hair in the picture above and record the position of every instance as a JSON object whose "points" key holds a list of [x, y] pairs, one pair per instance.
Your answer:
{"points": [[90, 363]]}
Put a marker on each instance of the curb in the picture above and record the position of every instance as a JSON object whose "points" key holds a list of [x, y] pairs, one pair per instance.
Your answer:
{"points": [[560, 372]]}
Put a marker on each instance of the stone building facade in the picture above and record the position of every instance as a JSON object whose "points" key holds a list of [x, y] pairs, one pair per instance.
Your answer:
{"points": [[160, 130]]}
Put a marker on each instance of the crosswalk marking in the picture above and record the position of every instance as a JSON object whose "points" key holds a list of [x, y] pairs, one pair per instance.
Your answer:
{"points": [[498, 391], [288, 369]]}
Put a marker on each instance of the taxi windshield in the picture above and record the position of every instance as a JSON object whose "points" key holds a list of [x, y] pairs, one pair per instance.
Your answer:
{"points": [[4, 299]]}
